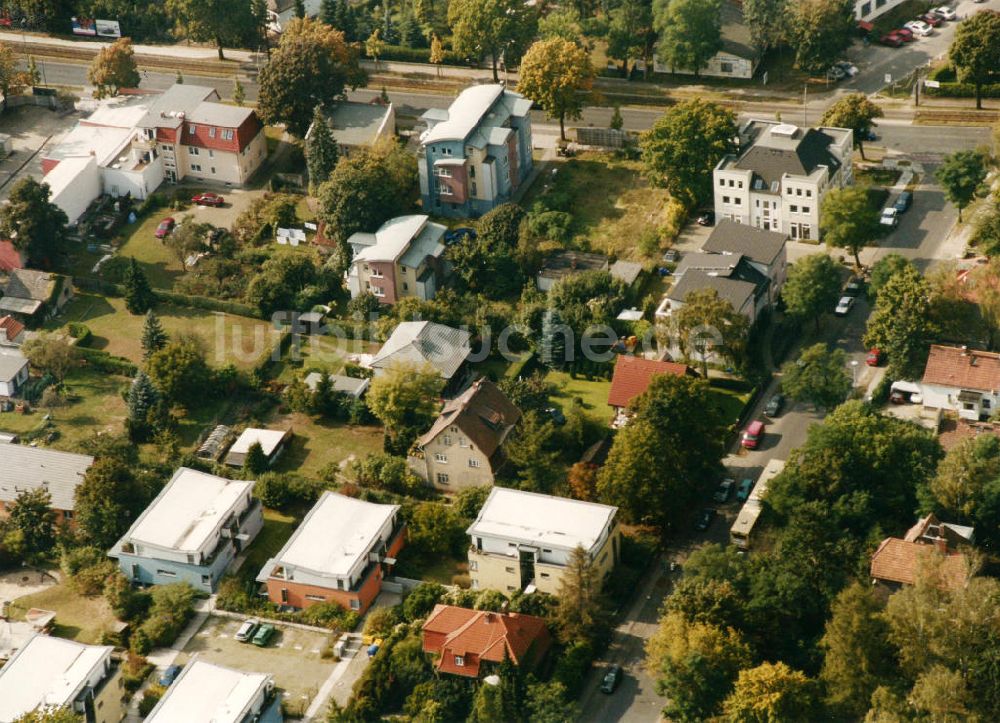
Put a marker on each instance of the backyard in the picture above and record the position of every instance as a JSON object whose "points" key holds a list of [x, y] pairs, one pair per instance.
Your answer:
{"points": [[321, 353], [319, 442], [80, 618], [278, 527], [592, 393]]}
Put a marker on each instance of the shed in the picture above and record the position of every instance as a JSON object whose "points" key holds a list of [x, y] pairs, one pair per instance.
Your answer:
{"points": [[272, 441]]}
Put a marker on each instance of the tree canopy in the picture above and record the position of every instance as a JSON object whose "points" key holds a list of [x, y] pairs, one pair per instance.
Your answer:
{"points": [[848, 220], [901, 324], [113, 69], [707, 324], [820, 30], [405, 399], [557, 74], [215, 21], [812, 287], [35, 225], [819, 376], [491, 28], [962, 174], [321, 150], [975, 49], [690, 32], [854, 111]]}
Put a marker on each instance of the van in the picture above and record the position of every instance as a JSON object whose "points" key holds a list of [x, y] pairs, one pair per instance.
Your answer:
{"points": [[753, 434]]}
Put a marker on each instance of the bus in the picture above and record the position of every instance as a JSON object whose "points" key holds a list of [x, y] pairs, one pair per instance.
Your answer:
{"points": [[746, 521]]}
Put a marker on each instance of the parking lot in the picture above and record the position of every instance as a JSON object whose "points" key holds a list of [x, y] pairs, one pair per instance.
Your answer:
{"points": [[30, 128]]}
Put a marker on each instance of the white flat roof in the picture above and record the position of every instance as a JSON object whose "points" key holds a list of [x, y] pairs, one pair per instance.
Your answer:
{"points": [[537, 519], [101, 141], [188, 510], [119, 112], [207, 693], [392, 238], [269, 440], [336, 533], [465, 113], [46, 672]]}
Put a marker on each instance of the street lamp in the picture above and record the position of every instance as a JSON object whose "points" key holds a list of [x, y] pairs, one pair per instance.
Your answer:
{"points": [[854, 372]]}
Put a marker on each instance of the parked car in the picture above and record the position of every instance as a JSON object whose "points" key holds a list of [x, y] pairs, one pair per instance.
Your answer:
{"points": [[844, 306], [919, 27], [753, 434], [904, 201], [170, 675], [208, 199], [263, 635], [890, 217], [454, 235], [247, 630], [849, 68], [893, 39], [774, 405], [743, 492], [612, 678], [706, 218], [945, 13], [869, 136], [906, 34], [855, 287], [875, 357], [725, 489], [931, 19], [899, 397], [165, 227], [835, 72], [705, 518], [671, 256]]}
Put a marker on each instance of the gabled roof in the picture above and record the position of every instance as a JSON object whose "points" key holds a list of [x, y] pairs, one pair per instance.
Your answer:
{"points": [[30, 284], [483, 414], [479, 635], [959, 368], [626, 271], [633, 375], [900, 561], [33, 467], [12, 326], [930, 529], [729, 237], [12, 361], [420, 342], [736, 291]]}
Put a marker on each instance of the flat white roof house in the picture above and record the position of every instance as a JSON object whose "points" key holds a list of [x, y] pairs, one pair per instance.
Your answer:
{"points": [[209, 693], [26, 468], [272, 442], [191, 531], [55, 673]]}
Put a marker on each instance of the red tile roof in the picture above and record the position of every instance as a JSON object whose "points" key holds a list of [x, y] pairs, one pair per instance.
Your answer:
{"points": [[900, 561], [10, 257], [633, 375], [953, 432], [952, 366], [479, 635], [12, 326]]}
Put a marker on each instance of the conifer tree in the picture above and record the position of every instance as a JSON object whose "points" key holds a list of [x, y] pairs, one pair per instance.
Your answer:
{"points": [[154, 337], [139, 296]]}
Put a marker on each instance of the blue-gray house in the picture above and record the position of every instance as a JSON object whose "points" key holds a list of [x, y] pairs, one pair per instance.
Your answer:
{"points": [[191, 532], [476, 154]]}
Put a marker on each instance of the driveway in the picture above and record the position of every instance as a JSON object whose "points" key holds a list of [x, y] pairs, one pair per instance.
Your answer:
{"points": [[22, 582]]}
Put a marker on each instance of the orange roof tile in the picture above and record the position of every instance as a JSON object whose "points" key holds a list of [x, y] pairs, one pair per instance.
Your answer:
{"points": [[633, 375], [952, 366], [12, 326], [953, 432], [899, 561]]}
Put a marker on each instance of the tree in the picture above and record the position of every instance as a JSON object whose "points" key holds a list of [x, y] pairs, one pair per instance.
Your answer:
{"points": [[186, 240], [33, 518], [179, 372], [405, 399], [884, 269], [820, 30], [50, 354], [630, 32], [33, 74], [694, 665], [819, 376], [108, 501], [617, 122], [435, 529], [581, 613], [493, 28], [986, 233], [217, 21], [670, 450], [563, 23], [856, 112], [532, 452], [962, 174], [12, 80], [901, 326], [557, 75], [848, 221], [488, 263], [143, 408], [812, 287], [154, 337], [975, 49], [550, 703], [375, 46], [437, 55], [35, 225], [771, 692], [289, 282], [321, 150], [683, 147], [50, 715], [957, 488], [690, 32], [312, 66], [767, 21], [113, 69], [139, 296], [255, 462], [582, 480], [707, 324], [239, 92]]}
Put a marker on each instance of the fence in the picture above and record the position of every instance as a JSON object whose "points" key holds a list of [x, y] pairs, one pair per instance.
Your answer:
{"points": [[602, 137]]}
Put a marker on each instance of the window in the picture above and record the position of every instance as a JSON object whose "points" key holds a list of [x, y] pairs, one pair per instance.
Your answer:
{"points": [[68, 514], [986, 403], [355, 604], [454, 429], [969, 406], [444, 172], [211, 132], [377, 291], [793, 209], [227, 135], [798, 191], [546, 550], [190, 559], [722, 181], [510, 588], [191, 130], [445, 190], [206, 579], [732, 183], [442, 458], [725, 199], [445, 151], [194, 150], [474, 463], [757, 203], [474, 192], [195, 167], [805, 209], [166, 573], [804, 231], [340, 584], [212, 170], [509, 570], [165, 147], [544, 574], [316, 598], [739, 184], [406, 287], [376, 272], [211, 153], [809, 193], [866, 9], [737, 201], [462, 442], [446, 439], [726, 67], [472, 171], [459, 661], [442, 478]]}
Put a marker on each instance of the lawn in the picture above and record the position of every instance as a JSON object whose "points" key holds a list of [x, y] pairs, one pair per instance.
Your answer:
{"points": [[229, 339], [161, 266], [430, 568], [84, 619], [731, 402], [278, 527], [593, 394], [322, 353], [319, 442]]}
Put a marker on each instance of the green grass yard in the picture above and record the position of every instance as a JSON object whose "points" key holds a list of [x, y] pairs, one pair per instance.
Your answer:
{"points": [[278, 527], [593, 394], [318, 443], [321, 353], [161, 266], [84, 619]]}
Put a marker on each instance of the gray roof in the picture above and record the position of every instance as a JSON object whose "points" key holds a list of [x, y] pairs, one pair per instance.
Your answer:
{"points": [[736, 38], [178, 98], [771, 156], [219, 114], [736, 291], [443, 347], [30, 284], [732, 277], [344, 384], [627, 271], [356, 124], [427, 243], [26, 468], [565, 263], [470, 111], [19, 306], [12, 361], [729, 237]]}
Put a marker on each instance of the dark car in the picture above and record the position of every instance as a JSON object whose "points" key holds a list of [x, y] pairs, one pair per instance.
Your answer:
{"points": [[170, 675], [904, 201], [611, 679], [165, 227], [705, 518], [725, 489], [855, 287], [263, 635], [869, 136], [743, 491], [706, 218], [454, 235], [208, 199], [931, 19], [774, 405]]}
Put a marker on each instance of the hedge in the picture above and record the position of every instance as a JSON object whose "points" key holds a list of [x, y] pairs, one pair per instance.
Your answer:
{"points": [[101, 286], [108, 363], [418, 55]]}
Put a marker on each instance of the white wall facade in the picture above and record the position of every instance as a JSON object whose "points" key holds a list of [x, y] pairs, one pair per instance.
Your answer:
{"points": [[868, 10], [941, 397]]}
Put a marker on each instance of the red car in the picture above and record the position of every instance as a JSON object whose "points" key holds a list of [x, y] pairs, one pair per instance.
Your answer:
{"points": [[875, 357], [165, 227], [208, 199], [906, 34], [931, 19], [892, 39], [753, 435]]}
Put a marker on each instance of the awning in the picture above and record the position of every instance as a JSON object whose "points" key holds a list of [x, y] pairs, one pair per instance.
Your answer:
{"points": [[865, 26]]}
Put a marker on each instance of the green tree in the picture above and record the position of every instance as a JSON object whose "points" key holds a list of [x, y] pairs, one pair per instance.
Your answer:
{"points": [[35, 225], [33, 518], [50, 354], [975, 49], [255, 463], [405, 399], [962, 174], [550, 703], [848, 221], [582, 612], [239, 92], [771, 692], [491, 28], [50, 715], [289, 281], [812, 287], [884, 269], [154, 337], [690, 32], [312, 66], [819, 376], [854, 111], [180, 373], [108, 501], [557, 75], [617, 122], [113, 69], [767, 21], [562, 23], [532, 453], [820, 30], [139, 296], [186, 240], [901, 324], [488, 263], [12, 80], [33, 74], [434, 529], [216, 21], [966, 469], [321, 150], [384, 471], [437, 55], [683, 147], [143, 406], [707, 324], [986, 233], [630, 32], [987, 517], [375, 46]]}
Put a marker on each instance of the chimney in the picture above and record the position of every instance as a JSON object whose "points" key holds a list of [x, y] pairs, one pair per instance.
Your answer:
{"points": [[941, 544], [488, 617]]}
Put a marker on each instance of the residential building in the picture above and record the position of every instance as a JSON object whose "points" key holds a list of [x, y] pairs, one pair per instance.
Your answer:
{"points": [[30, 468], [472, 643], [567, 263], [191, 532], [963, 380], [340, 553], [738, 57], [13, 371], [868, 10], [351, 386], [10, 257], [930, 547], [32, 296], [764, 250], [424, 342], [779, 177], [953, 432], [209, 693], [464, 446], [525, 538], [360, 125], [272, 442], [281, 12], [405, 257], [632, 377], [733, 278], [476, 154], [11, 331], [56, 673]]}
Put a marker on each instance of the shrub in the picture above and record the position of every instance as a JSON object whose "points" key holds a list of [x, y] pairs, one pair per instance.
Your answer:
{"points": [[80, 332], [278, 491], [572, 666], [87, 569], [381, 621], [135, 670], [150, 697], [330, 615], [551, 225], [172, 606], [421, 600]]}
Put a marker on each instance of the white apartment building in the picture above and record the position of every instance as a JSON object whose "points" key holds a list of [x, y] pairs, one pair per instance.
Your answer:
{"points": [[868, 10], [209, 693], [779, 177]]}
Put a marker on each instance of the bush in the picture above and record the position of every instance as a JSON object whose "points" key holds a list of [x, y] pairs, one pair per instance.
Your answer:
{"points": [[103, 362], [172, 607], [421, 600], [551, 225], [80, 332], [381, 621], [572, 666], [135, 670], [279, 491], [87, 569], [150, 697], [330, 615]]}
